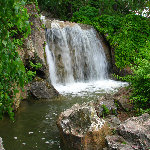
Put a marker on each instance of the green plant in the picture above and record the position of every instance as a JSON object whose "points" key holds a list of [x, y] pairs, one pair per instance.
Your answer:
{"points": [[31, 74], [105, 110], [124, 142], [35, 66]]}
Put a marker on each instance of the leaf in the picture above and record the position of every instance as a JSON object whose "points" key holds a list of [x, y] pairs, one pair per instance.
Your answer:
{"points": [[4, 42]]}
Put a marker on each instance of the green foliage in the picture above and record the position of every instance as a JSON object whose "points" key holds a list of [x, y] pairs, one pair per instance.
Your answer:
{"points": [[36, 66], [105, 110], [32, 71], [140, 82], [65, 9], [127, 34], [31, 75], [85, 14], [14, 26]]}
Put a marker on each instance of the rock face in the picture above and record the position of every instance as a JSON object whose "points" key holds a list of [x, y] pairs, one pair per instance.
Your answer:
{"points": [[34, 45], [81, 128], [42, 90], [1, 145], [34, 51]]}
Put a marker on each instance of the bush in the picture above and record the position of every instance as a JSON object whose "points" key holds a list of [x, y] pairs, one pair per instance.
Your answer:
{"points": [[14, 26]]}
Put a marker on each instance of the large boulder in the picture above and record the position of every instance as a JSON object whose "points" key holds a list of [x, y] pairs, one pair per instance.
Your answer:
{"points": [[81, 128], [1, 144], [137, 131], [41, 89]]}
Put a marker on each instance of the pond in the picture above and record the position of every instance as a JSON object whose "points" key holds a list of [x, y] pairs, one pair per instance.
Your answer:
{"points": [[35, 122]]}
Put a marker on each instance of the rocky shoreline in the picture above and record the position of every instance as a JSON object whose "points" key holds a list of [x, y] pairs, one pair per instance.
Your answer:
{"points": [[101, 126]]}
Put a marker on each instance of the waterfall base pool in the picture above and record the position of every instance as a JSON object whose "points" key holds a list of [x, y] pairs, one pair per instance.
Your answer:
{"points": [[35, 122]]}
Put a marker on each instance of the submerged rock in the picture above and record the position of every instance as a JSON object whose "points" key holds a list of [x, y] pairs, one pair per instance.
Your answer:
{"points": [[41, 89], [1, 145], [81, 128]]}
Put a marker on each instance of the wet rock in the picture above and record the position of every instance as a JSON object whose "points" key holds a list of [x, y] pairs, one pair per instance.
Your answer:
{"points": [[43, 90], [81, 128], [117, 142], [137, 130], [105, 105], [1, 144]]}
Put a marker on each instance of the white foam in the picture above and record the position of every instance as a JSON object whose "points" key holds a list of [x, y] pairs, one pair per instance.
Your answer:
{"points": [[81, 88]]}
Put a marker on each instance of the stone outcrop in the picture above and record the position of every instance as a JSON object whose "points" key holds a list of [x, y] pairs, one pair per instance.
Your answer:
{"points": [[1, 144], [81, 128], [41, 89], [34, 46]]}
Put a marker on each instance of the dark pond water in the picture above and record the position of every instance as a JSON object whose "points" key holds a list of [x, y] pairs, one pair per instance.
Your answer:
{"points": [[35, 124]]}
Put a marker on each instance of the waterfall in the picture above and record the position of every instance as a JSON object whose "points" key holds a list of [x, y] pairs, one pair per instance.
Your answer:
{"points": [[76, 54], [76, 58]]}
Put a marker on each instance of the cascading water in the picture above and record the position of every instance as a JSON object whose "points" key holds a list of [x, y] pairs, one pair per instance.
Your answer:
{"points": [[76, 58], [81, 53]]}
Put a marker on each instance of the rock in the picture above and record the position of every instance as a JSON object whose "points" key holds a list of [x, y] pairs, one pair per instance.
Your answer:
{"points": [[137, 130], [43, 90], [113, 122], [81, 128], [1, 145], [117, 142], [22, 94], [122, 99], [105, 105]]}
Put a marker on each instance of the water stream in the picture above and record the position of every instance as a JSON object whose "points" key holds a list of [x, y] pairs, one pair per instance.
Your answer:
{"points": [[78, 70]]}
